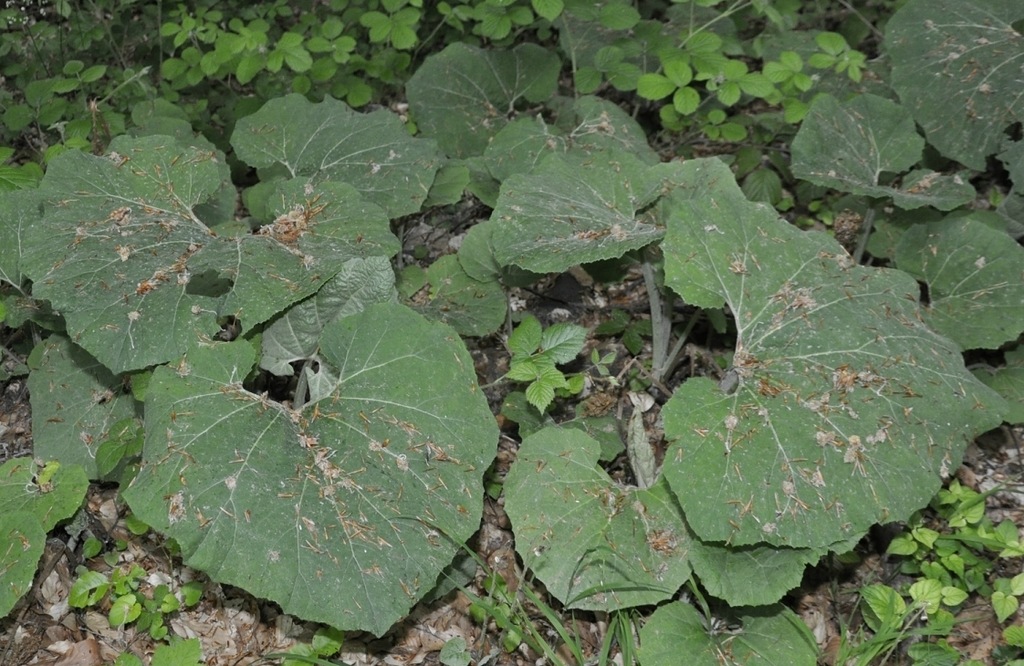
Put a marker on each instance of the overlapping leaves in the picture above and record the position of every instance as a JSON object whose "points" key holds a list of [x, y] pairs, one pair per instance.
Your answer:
{"points": [[139, 277]]}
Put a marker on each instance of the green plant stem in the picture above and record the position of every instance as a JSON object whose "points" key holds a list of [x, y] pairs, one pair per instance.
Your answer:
{"points": [[865, 234], [661, 321]]}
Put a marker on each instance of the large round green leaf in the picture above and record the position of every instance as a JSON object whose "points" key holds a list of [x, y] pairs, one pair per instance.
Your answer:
{"points": [[463, 95], [973, 272], [75, 402], [345, 512], [956, 65], [578, 208], [595, 544], [842, 408], [373, 152]]}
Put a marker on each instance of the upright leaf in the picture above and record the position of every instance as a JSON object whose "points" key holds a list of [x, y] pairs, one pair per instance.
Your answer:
{"points": [[463, 95], [956, 66], [344, 513], [594, 544], [848, 409], [373, 152]]}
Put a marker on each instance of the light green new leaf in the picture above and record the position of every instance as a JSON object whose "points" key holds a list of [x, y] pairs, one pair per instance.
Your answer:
{"points": [[75, 402], [595, 544], [771, 635], [344, 513], [956, 66], [576, 209], [296, 334], [563, 342], [848, 409], [373, 152], [749, 575], [463, 95], [851, 146], [973, 273]]}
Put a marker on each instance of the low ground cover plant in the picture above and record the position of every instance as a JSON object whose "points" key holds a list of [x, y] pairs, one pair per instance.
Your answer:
{"points": [[226, 330]]}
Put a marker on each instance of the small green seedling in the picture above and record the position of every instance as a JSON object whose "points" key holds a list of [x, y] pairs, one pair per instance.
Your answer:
{"points": [[535, 353]]}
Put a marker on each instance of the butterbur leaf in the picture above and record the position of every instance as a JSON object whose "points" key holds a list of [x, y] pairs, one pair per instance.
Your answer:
{"points": [[470, 306], [22, 540], [852, 146], [140, 278], [595, 125], [749, 575], [857, 405], [75, 404], [49, 493], [955, 65], [19, 211], [1009, 382], [595, 544], [463, 95], [973, 273], [344, 513], [576, 209], [373, 152], [766, 635]]}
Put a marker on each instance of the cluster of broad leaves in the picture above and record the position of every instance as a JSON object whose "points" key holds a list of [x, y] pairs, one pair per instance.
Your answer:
{"points": [[846, 404]]}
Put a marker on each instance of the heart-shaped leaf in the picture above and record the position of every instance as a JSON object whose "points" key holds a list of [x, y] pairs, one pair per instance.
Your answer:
{"points": [[749, 575], [595, 544], [956, 66], [296, 334], [973, 274], [344, 513], [373, 152], [846, 408]]}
